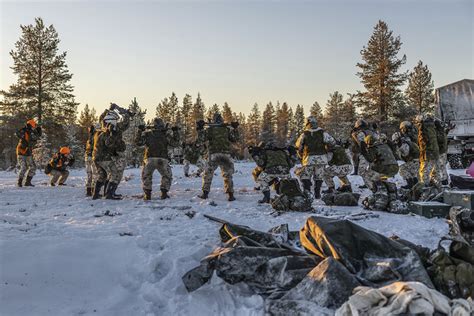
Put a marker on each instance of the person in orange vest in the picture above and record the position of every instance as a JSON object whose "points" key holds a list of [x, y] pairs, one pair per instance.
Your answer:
{"points": [[56, 168], [28, 136]]}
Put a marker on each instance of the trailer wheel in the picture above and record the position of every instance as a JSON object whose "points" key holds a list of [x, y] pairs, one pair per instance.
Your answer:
{"points": [[455, 161]]}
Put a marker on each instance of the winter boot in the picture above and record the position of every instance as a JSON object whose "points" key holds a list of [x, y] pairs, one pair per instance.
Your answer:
{"points": [[356, 171], [97, 189], [266, 197], [20, 182], [329, 190], [186, 175], [306, 185], [147, 195], [164, 194], [409, 184], [231, 196], [28, 182], [88, 191], [317, 189], [110, 195], [256, 188], [444, 182], [204, 195], [52, 183]]}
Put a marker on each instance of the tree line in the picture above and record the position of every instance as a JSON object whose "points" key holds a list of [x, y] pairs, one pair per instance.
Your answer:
{"points": [[43, 91]]}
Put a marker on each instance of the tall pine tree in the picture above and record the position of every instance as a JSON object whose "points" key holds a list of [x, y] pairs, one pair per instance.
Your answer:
{"points": [[188, 118], [87, 117], [268, 123], [333, 115], [133, 153], [317, 112], [282, 123], [379, 73], [227, 113], [253, 126], [419, 92], [43, 89]]}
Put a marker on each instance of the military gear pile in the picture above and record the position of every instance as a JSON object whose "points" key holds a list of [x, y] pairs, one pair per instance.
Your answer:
{"points": [[291, 198], [319, 267]]}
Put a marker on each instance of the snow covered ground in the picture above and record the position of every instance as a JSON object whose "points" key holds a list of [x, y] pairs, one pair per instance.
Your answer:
{"points": [[60, 255]]}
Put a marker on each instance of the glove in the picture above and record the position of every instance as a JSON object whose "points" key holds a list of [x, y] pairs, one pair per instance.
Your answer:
{"points": [[141, 127], [175, 128], [39, 130], [113, 106], [200, 124], [234, 124]]}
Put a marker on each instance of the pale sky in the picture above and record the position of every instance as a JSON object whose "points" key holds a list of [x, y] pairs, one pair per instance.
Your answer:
{"points": [[241, 52]]}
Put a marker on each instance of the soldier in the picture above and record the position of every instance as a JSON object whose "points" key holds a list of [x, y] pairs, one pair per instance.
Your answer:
{"points": [[156, 141], [88, 159], [275, 162], [359, 132], [106, 142], [407, 129], [442, 137], [382, 162], [218, 137], [193, 154], [56, 168], [311, 146], [338, 166], [28, 136], [429, 149], [410, 153]]}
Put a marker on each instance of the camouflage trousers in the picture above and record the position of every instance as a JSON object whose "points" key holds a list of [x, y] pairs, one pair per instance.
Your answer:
{"points": [[364, 171], [106, 171], [371, 178], [27, 166], [59, 175], [441, 170], [224, 161], [410, 169], [313, 168], [341, 172], [266, 179], [120, 164], [89, 172], [162, 165], [428, 172], [200, 164]]}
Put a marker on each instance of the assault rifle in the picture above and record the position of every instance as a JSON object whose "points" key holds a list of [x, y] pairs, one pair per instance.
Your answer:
{"points": [[201, 124]]}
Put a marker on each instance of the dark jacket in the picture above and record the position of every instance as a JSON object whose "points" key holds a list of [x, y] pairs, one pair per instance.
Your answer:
{"points": [[105, 145], [60, 162], [157, 141], [27, 140]]}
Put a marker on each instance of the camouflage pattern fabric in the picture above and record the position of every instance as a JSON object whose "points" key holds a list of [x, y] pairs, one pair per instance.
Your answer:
{"points": [[441, 170], [428, 172], [162, 165], [336, 171], [120, 164], [364, 170], [313, 168], [284, 203], [410, 169], [106, 170], [200, 163], [224, 161], [26, 166], [265, 179], [59, 175], [89, 171]]}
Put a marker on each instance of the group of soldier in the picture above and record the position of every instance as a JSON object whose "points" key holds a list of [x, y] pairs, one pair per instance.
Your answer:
{"points": [[422, 146]]}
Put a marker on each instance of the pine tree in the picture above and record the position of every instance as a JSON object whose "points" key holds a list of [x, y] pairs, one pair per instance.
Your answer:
{"points": [[188, 119], [43, 88], [317, 112], [419, 92], [42, 151], [333, 114], [253, 126], [75, 145], [268, 123], [227, 113], [174, 110], [282, 123], [198, 114], [379, 73], [241, 146], [87, 118], [299, 120], [212, 110]]}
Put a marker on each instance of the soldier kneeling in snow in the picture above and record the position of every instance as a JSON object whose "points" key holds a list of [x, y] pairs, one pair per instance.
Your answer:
{"points": [[56, 168]]}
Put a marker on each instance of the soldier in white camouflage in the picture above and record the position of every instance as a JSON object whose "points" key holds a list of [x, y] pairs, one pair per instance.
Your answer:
{"points": [[410, 153], [340, 166], [106, 143], [311, 147], [156, 141], [360, 131], [275, 163], [218, 138]]}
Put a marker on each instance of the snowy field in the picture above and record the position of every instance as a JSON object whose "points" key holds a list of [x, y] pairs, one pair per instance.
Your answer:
{"points": [[60, 255]]}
